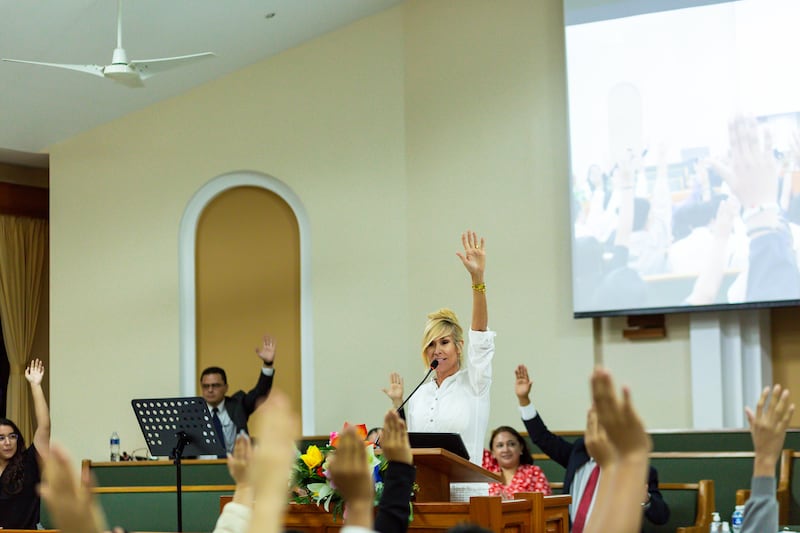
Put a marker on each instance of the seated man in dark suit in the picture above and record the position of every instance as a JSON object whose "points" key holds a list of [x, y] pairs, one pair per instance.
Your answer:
{"points": [[230, 413], [581, 476]]}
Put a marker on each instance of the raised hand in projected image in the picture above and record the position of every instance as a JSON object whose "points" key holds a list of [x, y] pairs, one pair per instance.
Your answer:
{"points": [[709, 280], [752, 171]]}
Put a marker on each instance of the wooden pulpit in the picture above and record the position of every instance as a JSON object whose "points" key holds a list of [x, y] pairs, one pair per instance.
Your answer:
{"points": [[433, 511], [437, 468]]}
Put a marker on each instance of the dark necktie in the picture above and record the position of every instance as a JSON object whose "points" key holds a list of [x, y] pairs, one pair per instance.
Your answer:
{"points": [[218, 427], [586, 501]]}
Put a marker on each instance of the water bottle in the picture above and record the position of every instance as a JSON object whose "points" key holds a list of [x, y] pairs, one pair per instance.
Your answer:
{"points": [[726, 527], [114, 446], [736, 518], [716, 523]]}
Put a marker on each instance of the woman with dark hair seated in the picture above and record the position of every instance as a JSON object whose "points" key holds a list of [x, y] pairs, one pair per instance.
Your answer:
{"points": [[20, 466], [509, 456]]}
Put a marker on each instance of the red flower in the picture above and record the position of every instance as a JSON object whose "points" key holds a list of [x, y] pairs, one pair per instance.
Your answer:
{"points": [[361, 431]]}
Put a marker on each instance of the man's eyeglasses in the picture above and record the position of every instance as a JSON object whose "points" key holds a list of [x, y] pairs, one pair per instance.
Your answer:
{"points": [[212, 385], [11, 437]]}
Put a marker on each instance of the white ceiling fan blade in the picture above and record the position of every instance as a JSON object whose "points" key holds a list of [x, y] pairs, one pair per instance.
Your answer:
{"points": [[95, 70], [149, 67]]}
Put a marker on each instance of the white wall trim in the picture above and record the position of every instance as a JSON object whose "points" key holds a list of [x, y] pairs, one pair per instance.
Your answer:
{"points": [[731, 363], [186, 275]]}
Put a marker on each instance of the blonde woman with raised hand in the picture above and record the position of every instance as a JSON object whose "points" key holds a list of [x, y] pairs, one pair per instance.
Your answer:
{"points": [[456, 397]]}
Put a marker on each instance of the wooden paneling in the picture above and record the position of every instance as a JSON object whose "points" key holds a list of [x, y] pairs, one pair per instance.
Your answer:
{"points": [[24, 201], [785, 325]]}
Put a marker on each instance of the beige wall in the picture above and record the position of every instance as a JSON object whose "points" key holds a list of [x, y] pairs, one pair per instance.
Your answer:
{"points": [[397, 133], [659, 371]]}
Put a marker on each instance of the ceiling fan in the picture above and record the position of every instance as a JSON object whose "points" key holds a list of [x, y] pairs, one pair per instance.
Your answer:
{"points": [[129, 73]]}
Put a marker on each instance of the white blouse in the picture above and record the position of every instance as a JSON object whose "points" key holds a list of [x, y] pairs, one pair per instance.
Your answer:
{"points": [[461, 404]]}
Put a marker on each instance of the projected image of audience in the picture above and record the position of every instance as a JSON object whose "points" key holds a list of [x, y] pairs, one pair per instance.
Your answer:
{"points": [[685, 155]]}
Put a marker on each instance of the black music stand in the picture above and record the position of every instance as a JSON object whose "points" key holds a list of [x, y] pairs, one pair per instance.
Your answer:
{"points": [[172, 426]]}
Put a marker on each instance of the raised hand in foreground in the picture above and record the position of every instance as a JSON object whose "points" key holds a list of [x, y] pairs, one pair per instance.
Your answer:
{"points": [[351, 474], [69, 502], [619, 495], [271, 462], [395, 444], [236, 515], [394, 508], [768, 429], [238, 462], [596, 441]]}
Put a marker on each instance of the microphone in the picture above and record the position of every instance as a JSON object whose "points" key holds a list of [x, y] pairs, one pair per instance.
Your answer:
{"points": [[434, 364]]}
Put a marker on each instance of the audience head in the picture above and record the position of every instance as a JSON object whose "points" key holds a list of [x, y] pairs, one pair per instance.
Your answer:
{"points": [[597, 179], [508, 448], [13, 443], [443, 340], [375, 434], [622, 288], [11, 453], [214, 385]]}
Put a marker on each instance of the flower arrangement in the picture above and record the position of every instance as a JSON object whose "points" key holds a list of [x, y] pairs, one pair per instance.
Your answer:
{"points": [[311, 479]]}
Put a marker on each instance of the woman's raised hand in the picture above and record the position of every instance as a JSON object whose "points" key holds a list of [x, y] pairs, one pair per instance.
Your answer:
{"points": [[395, 389], [474, 256], [35, 372]]}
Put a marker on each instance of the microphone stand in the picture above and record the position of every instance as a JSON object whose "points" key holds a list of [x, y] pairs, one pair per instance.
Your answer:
{"points": [[434, 364], [177, 452]]}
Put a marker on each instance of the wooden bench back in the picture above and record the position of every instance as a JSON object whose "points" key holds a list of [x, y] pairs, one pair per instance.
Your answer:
{"points": [[696, 513]]}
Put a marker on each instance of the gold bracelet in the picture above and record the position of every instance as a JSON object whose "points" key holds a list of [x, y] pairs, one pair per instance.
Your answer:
{"points": [[479, 287]]}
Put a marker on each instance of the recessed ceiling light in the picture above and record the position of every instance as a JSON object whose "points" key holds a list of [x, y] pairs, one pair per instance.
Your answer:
{"points": [[269, 15]]}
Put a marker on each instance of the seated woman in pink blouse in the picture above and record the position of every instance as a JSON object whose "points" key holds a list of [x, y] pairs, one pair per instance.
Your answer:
{"points": [[510, 457]]}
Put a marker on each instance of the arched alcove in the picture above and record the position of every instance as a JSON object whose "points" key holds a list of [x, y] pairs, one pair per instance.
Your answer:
{"points": [[188, 271]]}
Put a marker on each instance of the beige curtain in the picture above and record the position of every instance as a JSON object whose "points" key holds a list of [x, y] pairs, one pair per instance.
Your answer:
{"points": [[23, 242]]}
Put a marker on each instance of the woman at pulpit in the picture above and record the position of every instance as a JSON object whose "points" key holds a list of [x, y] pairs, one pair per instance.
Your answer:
{"points": [[509, 456], [456, 398]]}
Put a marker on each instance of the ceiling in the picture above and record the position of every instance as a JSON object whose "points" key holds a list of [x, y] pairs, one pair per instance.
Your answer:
{"points": [[41, 106]]}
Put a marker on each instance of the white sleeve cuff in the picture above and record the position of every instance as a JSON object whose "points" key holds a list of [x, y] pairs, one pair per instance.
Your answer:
{"points": [[355, 529], [267, 370], [527, 412], [481, 338], [234, 518]]}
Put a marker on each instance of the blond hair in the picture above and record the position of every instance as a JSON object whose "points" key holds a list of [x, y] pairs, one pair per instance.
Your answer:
{"points": [[440, 324]]}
